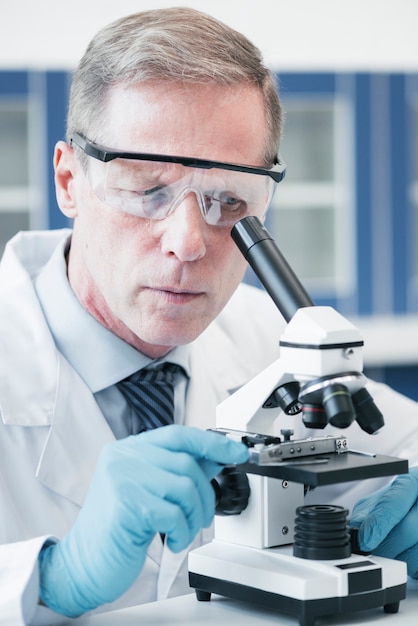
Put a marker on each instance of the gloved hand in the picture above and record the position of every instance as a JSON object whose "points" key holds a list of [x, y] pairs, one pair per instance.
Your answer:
{"points": [[158, 481], [387, 521]]}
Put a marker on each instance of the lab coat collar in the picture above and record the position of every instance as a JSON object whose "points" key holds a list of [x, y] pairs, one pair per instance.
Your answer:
{"points": [[28, 369], [76, 437], [77, 430], [38, 388]]}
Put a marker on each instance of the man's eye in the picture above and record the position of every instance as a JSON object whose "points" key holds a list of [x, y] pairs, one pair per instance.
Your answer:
{"points": [[154, 191], [154, 194], [230, 202]]}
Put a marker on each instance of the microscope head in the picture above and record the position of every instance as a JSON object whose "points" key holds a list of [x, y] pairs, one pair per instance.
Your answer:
{"points": [[321, 351]]}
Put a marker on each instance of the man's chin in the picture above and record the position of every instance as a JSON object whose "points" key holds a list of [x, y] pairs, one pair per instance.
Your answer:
{"points": [[157, 344]]}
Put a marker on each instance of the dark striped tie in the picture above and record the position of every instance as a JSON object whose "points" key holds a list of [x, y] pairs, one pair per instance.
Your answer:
{"points": [[150, 392]]}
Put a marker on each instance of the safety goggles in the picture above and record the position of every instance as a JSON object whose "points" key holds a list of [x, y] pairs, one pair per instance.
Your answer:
{"points": [[153, 185]]}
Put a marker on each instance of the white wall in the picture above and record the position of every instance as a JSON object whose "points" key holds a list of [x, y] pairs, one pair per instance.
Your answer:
{"points": [[293, 34]]}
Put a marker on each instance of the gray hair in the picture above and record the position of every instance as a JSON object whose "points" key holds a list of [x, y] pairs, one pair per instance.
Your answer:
{"points": [[174, 44]]}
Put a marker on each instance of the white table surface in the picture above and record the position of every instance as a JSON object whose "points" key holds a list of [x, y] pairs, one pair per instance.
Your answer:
{"points": [[186, 610]]}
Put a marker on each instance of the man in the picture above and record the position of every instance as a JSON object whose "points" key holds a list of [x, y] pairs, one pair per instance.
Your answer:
{"points": [[149, 274]]}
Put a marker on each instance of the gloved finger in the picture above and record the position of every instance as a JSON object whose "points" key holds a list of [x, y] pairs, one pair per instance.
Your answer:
{"points": [[365, 505], [131, 464], [168, 516], [210, 469], [178, 478], [383, 511], [402, 537], [199, 443], [410, 557]]}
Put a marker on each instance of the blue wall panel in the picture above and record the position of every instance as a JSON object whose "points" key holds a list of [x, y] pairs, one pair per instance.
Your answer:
{"points": [[362, 162], [12, 83], [401, 226], [56, 102]]}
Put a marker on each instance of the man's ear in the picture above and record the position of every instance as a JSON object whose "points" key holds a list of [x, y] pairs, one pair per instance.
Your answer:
{"points": [[66, 167]]}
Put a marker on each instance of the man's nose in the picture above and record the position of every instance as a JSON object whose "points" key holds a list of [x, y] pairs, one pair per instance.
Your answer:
{"points": [[185, 229]]}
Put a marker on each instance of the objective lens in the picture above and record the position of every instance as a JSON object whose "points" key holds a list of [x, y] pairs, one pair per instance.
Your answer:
{"points": [[338, 405], [314, 416], [286, 397], [369, 418]]}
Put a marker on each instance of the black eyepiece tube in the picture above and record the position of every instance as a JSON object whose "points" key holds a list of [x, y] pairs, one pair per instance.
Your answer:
{"points": [[274, 272]]}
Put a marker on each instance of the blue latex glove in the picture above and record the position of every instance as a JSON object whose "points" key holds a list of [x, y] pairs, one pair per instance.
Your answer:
{"points": [[158, 481], [387, 521]]}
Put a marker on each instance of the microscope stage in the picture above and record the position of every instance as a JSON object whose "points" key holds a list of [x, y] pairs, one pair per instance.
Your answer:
{"points": [[332, 468]]}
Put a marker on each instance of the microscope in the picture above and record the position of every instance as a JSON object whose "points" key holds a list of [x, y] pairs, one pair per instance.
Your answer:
{"points": [[269, 548]]}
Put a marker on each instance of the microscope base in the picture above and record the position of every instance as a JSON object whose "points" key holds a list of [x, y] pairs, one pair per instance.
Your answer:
{"points": [[308, 589]]}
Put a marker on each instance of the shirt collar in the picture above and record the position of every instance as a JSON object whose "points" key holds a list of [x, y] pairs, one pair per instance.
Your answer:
{"points": [[98, 355]]}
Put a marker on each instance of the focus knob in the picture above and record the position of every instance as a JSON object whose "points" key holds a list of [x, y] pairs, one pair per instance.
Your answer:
{"points": [[232, 491]]}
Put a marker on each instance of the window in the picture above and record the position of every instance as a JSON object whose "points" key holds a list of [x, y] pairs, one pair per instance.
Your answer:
{"points": [[14, 170], [311, 214], [414, 188]]}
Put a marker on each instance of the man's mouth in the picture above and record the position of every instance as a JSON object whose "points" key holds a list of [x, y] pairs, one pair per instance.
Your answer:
{"points": [[177, 296]]}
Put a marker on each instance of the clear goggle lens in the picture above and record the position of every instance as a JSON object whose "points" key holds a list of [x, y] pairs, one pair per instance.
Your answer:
{"points": [[153, 189]]}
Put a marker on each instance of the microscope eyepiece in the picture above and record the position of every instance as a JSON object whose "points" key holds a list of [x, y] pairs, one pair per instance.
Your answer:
{"points": [[274, 272]]}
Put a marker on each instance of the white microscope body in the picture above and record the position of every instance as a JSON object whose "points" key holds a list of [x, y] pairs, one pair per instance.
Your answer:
{"points": [[262, 554]]}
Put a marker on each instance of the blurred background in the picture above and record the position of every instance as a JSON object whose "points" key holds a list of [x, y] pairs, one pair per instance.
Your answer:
{"points": [[346, 216]]}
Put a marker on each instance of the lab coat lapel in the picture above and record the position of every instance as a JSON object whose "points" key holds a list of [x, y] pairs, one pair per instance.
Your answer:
{"points": [[76, 437], [48, 393], [38, 388]]}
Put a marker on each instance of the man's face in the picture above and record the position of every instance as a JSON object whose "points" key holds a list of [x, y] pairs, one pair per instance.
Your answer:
{"points": [[159, 283]]}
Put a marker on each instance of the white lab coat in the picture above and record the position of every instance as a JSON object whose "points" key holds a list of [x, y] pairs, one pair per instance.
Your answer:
{"points": [[52, 431]]}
